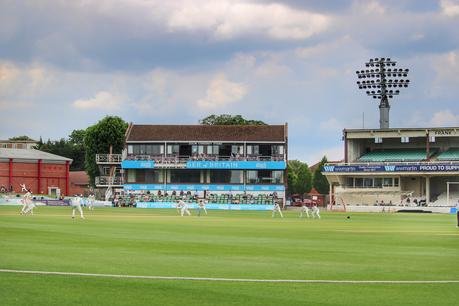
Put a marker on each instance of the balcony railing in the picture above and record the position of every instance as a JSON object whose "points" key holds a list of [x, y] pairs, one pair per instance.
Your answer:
{"points": [[109, 158], [109, 181], [183, 159]]}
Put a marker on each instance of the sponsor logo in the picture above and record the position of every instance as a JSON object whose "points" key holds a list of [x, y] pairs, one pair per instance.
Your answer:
{"points": [[389, 168], [443, 132], [329, 168]]}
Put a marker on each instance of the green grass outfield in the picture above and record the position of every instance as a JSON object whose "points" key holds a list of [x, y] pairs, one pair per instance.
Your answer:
{"points": [[248, 245]]}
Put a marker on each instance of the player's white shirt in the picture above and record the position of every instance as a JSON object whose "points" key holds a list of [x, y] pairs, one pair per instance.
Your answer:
{"points": [[276, 206], [182, 204], [457, 206], [76, 201]]}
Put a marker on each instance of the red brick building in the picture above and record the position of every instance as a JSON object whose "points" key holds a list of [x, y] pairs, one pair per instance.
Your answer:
{"points": [[36, 169], [79, 182]]}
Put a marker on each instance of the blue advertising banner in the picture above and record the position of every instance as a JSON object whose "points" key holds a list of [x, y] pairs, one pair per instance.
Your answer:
{"points": [[210, 206], [392, 168], [252, 165], [137, 164], [200, 187]]}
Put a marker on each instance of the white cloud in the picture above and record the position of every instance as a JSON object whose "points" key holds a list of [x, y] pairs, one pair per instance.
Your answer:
{"points": [[222, 92], [450, 7], [103, 100], [229, 19], [444, 118]]}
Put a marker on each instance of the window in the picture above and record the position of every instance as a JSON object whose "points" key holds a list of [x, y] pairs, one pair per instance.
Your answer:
{"points": [[212, 149], [368, 182], [131, 175], [387, 182], [265, 177], [237, 149], [358, 181], [395, 181], [378, 139], [377, 182], [185, 176], [173, 149], [253, 150], [278, 177], [431, 138], [154, 176], [106, 171], [405, 139], [349, 182], [226, 176], [130, 149], [278, 150], [252, 177]]}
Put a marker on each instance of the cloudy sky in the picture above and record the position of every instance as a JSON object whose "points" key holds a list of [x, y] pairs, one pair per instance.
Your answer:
{"points": [[66, 64]]}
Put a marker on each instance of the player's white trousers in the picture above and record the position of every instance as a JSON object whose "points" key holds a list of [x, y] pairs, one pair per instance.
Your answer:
{"points": [[79, 209], [185, 210]]}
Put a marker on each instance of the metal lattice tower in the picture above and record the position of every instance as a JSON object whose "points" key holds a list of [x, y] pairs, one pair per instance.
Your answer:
{"points": [[382, 78]]}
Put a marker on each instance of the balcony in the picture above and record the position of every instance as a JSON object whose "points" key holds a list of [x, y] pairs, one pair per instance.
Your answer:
{"points": [[109, 181], [109, 159], [175, 159]]}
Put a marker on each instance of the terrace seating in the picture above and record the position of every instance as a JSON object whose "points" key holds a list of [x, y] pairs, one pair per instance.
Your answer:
{"points": [[450, 154], [395, 155]]}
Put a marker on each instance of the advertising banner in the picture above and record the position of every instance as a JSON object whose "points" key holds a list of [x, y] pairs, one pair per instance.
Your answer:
{"points": [[251, 165], [209, 206], [137, 164]]}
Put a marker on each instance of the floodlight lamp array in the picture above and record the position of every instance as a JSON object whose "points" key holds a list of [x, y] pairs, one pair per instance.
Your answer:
{"points": [[382, 79]]}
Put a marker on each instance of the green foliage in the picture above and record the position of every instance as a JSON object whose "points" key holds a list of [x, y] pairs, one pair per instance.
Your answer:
{"points": [[319, 180], [23, 137], [66, 148], [299, 177], [98, 138], [225, 119]]}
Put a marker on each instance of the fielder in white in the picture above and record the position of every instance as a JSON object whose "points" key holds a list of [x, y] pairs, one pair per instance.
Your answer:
{"points": [[91, 200], [183, 208], [28, 204], [304, 210], [202, 206], [76, 205], [315, 212], [277, 209]]}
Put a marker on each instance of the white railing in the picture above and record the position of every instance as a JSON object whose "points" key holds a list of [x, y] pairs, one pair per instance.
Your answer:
{"points": [[109, 158], [109, 180], [183, 159]]}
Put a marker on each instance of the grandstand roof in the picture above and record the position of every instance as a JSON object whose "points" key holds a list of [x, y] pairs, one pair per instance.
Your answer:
{"points": [[207, 133], [31, 154]]}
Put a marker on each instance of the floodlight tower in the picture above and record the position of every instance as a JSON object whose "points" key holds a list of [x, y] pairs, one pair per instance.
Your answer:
{"points": [[383, 78]]}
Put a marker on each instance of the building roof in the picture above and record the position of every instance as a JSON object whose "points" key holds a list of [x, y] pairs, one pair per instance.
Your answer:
{"points": [[30, 154], [207, 133], [79, 178], [19, 141], [399, 132]]}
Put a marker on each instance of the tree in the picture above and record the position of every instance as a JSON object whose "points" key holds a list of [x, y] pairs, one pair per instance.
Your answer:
{"points": [[23, 137], [98, 138], [319, 180], [63, 147], [299, 177], [225, 119]]}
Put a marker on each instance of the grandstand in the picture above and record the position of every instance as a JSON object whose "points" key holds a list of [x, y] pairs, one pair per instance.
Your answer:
{"points": [[397, 166], [224, 164]]}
